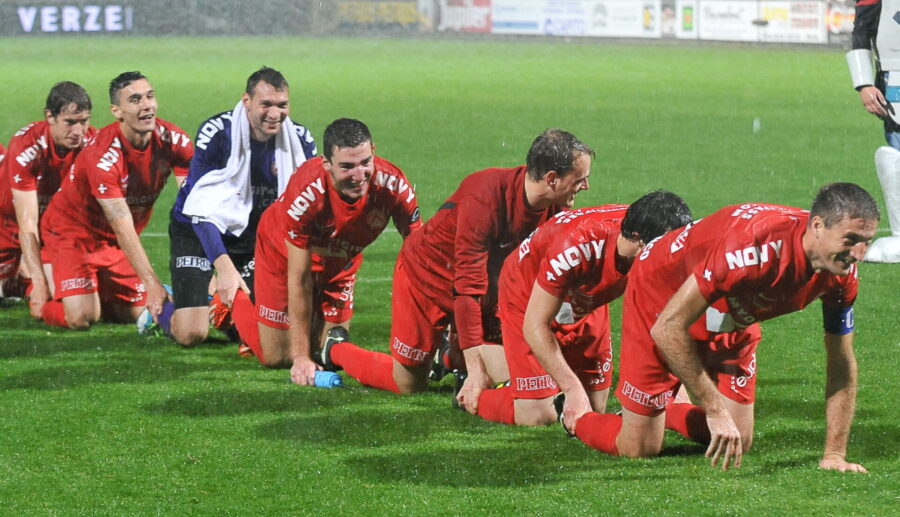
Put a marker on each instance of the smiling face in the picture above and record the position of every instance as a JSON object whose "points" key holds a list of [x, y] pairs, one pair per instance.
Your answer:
{"points": [[351, 169], [136, 108], [836, 248], [266, 109], [69, 126], [565, 187]]}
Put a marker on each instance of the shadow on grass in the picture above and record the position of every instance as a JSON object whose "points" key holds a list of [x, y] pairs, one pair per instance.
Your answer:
{"points": [[474, 453], [139, 369], [868, 440], [517, 464], [235, 402], [684, 449], [368, 426]]}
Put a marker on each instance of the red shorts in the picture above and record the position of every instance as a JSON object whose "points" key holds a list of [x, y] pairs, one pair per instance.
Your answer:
{"points": [[332, 288], [416, 321], [646, 385], [84, 268], [585, 345], [10, 254]]}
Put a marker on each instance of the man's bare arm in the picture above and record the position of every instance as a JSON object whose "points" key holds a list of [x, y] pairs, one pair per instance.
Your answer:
{"points": [[670, 333], [119, 216], [27, 215], [840, 402], [300, 300], [539, 315]]}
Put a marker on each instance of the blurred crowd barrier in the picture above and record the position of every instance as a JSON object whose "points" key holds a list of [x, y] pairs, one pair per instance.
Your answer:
{"points": [[812, 22]]}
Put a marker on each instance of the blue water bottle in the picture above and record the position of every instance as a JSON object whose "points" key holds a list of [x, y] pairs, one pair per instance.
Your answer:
{"points": [[325, 379]]}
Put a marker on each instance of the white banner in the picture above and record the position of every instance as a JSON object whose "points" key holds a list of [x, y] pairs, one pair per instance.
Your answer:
{"points": [[566, 18], [517, 16], [625, 18], [728, 20], [599, 18], [793, 22], [780, 21]]}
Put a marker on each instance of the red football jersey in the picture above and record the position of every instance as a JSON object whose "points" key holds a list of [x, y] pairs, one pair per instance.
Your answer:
{"points": [[311, 214], [33, 164], [109, 167], [573, 256], [461, 249], [748, 261]]}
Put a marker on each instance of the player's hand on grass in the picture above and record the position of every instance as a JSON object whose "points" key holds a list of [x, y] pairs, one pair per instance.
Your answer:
{"points": [[575, 407], [476, 382], [725, 443], [303, 371], [40, 294], [835, 461], [873, 100]]}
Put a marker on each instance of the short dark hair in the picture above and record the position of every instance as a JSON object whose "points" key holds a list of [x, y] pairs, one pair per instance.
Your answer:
{"points": [[554, 150], [654, 214], [838, 201], [345, 132], [64, 93], [121, 81], [268, 75]]}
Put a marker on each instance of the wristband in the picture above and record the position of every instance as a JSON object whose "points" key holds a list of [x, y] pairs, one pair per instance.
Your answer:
{"points": [[862, 73]]}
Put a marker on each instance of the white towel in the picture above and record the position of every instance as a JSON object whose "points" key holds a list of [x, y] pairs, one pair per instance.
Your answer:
{"points": [[223, 196]]}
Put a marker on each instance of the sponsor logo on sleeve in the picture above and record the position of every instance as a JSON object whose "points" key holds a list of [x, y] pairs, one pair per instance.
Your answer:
{"points": [[302, 202], [31, 152], [753, 255], [111, 156], [174, 137], [575, 255], [209, 130], [395, 184]]}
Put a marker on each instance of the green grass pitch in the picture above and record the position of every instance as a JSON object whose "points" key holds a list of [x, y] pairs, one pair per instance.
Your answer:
{"points": [[104, 422]]}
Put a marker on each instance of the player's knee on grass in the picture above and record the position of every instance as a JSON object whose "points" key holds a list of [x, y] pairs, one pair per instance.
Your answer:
{"points": [[190, 326], [189, 338], [640, 436], [411, 379], [81, 313], [275, 344], [535, 412], [80, 321]]}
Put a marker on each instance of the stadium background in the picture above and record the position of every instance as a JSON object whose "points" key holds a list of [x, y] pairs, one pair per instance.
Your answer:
{"points": [[808, 22], [104, 422]]}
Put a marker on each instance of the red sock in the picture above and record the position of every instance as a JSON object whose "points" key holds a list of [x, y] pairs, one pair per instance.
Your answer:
{"points": [[243, 313], [54, 313], [498, 405], [689, 421], [599, 431], [370, 368]]}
